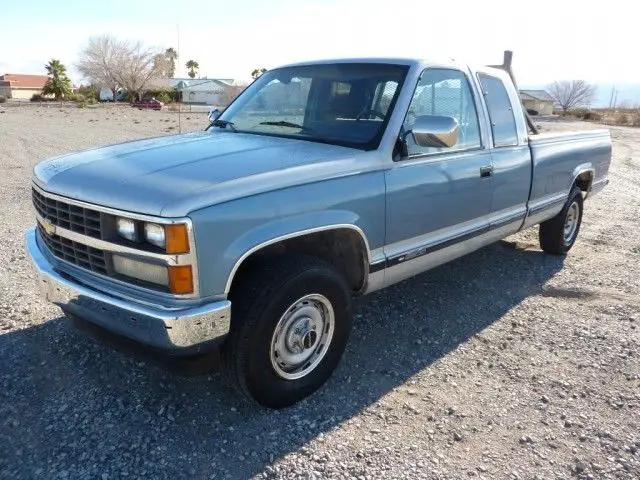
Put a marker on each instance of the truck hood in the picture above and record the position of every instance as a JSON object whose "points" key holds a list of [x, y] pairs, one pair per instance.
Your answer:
{"points": [[169, 176]]}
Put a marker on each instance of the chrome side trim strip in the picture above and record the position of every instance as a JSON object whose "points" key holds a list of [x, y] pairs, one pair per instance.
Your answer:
{"points": [[300, 233], [508, 215], [597, 186], [448, 252], [433, 242], [433, 238], [604, 180], [547, 201]]}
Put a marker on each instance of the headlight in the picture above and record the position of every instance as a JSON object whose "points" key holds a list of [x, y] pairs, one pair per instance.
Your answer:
{"points": [[171, 238], [126, 228], [154, 234]]}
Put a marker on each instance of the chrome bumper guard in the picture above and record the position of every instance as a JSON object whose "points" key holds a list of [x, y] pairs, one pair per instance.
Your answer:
{"points": [[166, 329]]}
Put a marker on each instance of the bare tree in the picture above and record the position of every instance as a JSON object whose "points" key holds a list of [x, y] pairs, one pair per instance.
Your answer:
{"points": [[112, 63], [138, 70], [571, 93], [100, 60], [228, 94]]}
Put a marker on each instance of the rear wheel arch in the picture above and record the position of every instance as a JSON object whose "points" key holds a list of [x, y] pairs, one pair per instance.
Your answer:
{"points": [[583, 179]]}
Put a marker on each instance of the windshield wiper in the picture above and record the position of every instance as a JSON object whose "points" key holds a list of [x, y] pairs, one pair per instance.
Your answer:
{"points": [[283, 123], [224, 124]]}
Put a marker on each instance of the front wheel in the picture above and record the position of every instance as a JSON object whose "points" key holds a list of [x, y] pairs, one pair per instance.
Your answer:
{"points": [[558, 234], [290, 324]]}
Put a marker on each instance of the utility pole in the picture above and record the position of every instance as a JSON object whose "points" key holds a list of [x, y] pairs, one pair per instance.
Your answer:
{"points": [[614, 92], [178, 63]]}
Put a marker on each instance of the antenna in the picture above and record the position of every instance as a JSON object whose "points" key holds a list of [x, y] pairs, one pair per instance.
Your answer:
{"points": [[179, 105]]}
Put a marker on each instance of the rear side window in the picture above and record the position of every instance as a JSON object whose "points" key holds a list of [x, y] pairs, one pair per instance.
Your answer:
{"points": [[503, 123]]}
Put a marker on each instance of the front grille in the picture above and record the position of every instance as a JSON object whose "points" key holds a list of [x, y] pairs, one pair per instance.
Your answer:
{"points": [[64, 215], [74, 252]]}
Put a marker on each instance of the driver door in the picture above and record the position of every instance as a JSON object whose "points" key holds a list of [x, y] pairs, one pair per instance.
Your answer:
{"points": [[437, 197]]}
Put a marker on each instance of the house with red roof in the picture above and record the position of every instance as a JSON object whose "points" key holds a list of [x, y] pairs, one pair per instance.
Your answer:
{"points": [[14, 85]]}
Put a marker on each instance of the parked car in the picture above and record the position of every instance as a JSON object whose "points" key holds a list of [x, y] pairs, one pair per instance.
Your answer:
{"points": [[253, 236], [151, 103], [105, 95]]}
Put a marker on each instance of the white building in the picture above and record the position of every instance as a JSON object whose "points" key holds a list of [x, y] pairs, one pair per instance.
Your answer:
{"points": [[206, 91]]}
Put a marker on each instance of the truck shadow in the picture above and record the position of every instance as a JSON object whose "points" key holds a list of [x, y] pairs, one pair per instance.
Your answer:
{"points": [[67, 396]]}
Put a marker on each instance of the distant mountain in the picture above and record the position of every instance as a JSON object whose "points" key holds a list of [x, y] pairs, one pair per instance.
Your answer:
{"points": [[628, 94]]}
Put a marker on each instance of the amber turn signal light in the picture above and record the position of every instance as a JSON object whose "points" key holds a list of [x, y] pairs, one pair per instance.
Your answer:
{"points": [[177, 238], [180, 279]]}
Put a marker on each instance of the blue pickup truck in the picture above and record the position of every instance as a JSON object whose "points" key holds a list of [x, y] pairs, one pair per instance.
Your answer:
{"points": [[320, 182]]}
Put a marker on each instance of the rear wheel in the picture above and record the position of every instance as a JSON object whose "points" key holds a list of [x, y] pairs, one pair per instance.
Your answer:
{"points": [[290, 324], [558, 234]]}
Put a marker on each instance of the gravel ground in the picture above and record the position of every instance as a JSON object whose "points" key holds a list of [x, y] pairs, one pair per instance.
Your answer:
{"points": [[507, 363]]}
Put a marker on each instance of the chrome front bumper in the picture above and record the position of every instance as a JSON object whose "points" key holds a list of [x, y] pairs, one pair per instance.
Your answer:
{"points": [[166, 329]]}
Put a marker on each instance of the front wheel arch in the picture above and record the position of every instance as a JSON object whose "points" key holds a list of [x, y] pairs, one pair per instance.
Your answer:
{"points": [[343, 246]]}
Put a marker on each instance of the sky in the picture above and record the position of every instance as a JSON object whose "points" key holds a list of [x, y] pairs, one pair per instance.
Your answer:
{"points": [[551, 40]]}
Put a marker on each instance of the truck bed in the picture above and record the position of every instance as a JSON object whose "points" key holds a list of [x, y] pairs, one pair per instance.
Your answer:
{"points": [[558, 158]]}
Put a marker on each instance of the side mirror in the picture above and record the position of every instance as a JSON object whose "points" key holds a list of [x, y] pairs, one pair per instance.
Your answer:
{"points": [[214, 114], [435, 131]]}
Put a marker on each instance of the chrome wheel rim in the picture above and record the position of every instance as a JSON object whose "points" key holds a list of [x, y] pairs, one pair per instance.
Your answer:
{"points": [[571, 222], [302, 336]]}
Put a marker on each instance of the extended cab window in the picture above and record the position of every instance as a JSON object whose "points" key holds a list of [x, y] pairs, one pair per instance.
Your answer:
{"points": [[503, 123], [444, 92]]}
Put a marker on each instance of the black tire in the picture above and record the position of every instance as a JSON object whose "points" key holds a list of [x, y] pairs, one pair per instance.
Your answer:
{"points": [[552, 231], [260, 297]]}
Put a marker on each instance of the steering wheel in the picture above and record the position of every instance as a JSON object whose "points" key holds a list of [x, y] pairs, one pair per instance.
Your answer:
{"points": [[370, 112]]}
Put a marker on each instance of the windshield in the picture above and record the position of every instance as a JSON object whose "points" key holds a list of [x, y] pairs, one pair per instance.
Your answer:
{"points": [[345, 104]]}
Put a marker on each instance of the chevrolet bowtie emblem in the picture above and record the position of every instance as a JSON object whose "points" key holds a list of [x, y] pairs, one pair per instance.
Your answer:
{"points": [[48, 227]]}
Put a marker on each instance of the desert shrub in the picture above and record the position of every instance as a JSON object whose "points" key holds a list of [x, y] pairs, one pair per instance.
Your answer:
{"points": [[591, 115], [635, 118], [577, 112], [163, 97], [127, 97], [621, 118], [2, 99], [585, 114], [75, 97], [36, 97], [88, 92], [82, 104]]}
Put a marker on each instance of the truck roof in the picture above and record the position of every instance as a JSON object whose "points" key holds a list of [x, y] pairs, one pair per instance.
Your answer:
{"points": [[385, 60], [420, 62]]}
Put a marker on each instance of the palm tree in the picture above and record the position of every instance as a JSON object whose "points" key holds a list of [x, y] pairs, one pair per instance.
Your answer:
{"points": [[258, 72], [58, 83], [193, 67], [171, 55]]}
